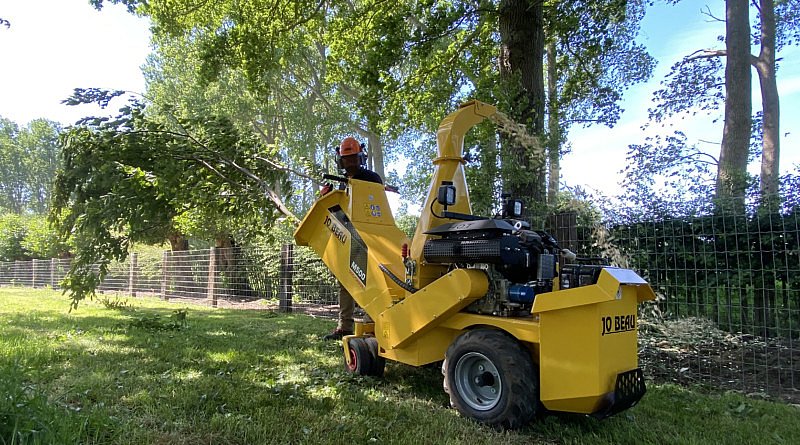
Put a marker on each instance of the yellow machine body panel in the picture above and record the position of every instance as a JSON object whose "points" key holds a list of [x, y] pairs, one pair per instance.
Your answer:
{"points": [[420, 312], [353, 231], [588, 336]]}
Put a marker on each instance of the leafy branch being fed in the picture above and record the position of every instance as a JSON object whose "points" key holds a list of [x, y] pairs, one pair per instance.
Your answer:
{"points": [[126, 179]]}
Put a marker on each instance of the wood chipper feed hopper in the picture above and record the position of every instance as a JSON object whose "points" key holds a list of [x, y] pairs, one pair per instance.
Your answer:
{"points": [[516, 335]]}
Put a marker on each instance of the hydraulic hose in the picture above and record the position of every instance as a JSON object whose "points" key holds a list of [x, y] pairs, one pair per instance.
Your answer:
{"points": [[398, 281]]}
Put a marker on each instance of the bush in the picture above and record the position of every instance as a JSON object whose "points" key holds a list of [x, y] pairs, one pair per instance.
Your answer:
{"points": [[12, 233], [25, 237]]}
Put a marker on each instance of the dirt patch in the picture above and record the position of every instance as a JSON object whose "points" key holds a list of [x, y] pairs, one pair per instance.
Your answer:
{"points": [[693, 351]]}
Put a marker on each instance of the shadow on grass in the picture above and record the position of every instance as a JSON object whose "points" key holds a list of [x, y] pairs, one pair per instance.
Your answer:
{"points": [[222, 364]]}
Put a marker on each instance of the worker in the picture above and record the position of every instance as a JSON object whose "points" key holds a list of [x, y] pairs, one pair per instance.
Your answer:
{"points": [[352, 159]]}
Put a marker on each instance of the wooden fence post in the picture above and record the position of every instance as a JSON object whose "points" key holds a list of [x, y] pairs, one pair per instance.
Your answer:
{"points": [[53, 264], [18, 273], [164, 266], [285, 293], [33, 273], [132, 275], [212, 276]]}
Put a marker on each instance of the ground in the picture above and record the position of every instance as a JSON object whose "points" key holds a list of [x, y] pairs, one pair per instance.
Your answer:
{"points": [[692, 351], [689, 351]]}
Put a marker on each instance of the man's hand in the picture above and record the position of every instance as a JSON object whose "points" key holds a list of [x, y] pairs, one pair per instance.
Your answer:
{"points": [[325, 189]]}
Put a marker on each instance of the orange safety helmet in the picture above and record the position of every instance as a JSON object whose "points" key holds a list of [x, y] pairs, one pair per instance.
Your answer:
{"points": [[350, 146]]}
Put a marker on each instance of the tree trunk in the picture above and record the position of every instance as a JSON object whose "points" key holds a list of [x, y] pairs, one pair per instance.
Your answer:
{"points": [[732, 170], [180, 265], [770, 160], [178, 242], [376, 153], [770, 103], [521, 26], [553, 129], [232, 267]]}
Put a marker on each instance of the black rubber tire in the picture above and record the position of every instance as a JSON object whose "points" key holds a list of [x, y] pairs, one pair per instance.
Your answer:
{"points": [[491, 378], [378, 362], [360, 357]]}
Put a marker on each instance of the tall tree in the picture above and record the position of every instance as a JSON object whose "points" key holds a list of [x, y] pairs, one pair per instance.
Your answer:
{"points": [[592, 58], [12, 174], [732, 171], [404, 67], [28, 158], [700, 81], [40, 141], [521, 61], [770, 101]]}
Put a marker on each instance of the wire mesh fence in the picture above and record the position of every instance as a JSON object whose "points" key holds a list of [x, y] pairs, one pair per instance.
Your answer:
{"points": [[728, 287], [728, 313]]}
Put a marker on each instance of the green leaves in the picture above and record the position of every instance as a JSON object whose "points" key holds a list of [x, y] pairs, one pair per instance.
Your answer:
{"points": [[97, 96], [28, 157], [132, 178]]}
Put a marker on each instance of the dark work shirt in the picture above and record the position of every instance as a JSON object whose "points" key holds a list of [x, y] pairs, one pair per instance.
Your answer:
{"points": [[367, 175]]}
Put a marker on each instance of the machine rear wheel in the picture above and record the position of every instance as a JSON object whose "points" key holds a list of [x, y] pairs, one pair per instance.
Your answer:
{"points": [[491, 378], [361, 361], [378, 362]]}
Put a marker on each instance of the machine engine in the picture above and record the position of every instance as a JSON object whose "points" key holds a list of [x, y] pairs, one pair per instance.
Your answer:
{"points": [[519, 262]]}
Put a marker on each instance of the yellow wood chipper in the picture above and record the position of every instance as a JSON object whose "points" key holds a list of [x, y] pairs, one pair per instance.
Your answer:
{"points": [[517, 335]]}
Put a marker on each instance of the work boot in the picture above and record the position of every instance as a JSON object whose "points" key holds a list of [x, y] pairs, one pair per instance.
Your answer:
{"points": [[337, 334]]}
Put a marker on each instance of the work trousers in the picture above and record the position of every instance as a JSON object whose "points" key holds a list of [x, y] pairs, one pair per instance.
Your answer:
{"points": [[347, 307]]}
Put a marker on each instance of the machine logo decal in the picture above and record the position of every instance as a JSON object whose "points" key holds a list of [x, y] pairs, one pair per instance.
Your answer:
{"points": [[618, 324], [358, 248], [336, 228]]}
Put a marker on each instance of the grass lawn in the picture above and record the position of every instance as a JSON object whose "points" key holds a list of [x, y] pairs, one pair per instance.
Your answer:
{"points": [[133, 375]]}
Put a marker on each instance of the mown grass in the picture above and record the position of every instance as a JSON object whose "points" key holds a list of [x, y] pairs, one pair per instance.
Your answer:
{"points": [[132, 375]]}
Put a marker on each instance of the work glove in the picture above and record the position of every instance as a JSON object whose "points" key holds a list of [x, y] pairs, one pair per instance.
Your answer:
{"points": [[325, 189]]}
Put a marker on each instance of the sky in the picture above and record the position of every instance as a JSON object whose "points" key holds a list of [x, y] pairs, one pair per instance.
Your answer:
{"points": [[670, 33], [54, 46]]}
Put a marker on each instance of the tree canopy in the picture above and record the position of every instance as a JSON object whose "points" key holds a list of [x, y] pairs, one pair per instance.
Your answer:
{"points": [[712, 80], [28, 160]]}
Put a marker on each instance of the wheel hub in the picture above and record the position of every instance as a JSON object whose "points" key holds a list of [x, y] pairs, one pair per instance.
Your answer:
{"points": [[478, 381]]}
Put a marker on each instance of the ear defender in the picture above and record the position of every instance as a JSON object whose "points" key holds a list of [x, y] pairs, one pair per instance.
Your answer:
{"points": [[362, 155]]}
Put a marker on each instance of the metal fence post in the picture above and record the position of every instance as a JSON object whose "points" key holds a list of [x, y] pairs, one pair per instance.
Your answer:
{"points": [[285, 294], [164, 263], [212, 276]]}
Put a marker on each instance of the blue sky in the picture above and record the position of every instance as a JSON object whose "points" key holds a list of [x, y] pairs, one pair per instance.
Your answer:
{"points": [[670, 33], [54, 46]]}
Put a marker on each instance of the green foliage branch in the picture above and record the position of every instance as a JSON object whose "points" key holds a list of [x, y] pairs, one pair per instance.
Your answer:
{"points": [[129, 178]]}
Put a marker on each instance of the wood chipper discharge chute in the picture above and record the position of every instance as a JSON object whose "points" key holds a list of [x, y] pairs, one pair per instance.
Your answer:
{"points": [[516, 334]]}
